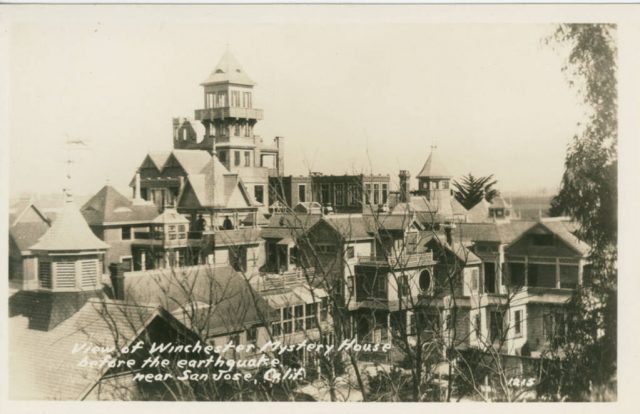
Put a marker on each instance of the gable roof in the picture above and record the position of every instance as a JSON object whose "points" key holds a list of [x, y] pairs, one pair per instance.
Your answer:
{"points": [[458, 249], [228, 70], [25, 229], [215, 186], [479, 213], [110, 206], [499, 232], [564, 230], [349, 227], [232, 304], [69, 232], [43, 365], [192, 161], [434, 167]]}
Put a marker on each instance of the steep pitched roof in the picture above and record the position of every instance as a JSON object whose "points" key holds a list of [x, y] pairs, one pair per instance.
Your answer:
{"points": [[434, 167], [228, 70], [109, 206], [564, 230], [26, 224], [479, 213], [499, 202], [192, 161], [43, 365], [69, 232], [232, 304], [215, 186], [159, 158]]}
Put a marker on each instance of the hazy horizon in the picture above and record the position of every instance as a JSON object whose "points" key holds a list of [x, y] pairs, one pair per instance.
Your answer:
{"points": [[371, 95]]}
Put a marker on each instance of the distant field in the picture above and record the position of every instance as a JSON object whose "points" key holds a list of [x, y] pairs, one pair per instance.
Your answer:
{"points": [[531, 207]]}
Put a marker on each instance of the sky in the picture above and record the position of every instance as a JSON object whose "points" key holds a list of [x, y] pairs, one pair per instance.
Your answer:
{"points": [[350, 91]]}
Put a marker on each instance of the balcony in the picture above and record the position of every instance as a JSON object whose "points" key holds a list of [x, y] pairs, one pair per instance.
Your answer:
{"points": [[228, 112], [405, 260]]}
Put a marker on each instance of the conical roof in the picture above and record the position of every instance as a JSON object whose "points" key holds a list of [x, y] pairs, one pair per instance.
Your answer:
{"points": [[434, 167], [229, 70], [69, 232]]}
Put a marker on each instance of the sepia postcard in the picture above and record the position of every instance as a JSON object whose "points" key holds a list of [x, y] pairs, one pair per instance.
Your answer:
{"points": [[326, 203]]}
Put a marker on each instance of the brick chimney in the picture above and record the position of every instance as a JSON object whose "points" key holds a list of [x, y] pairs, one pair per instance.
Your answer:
{"points": [[117, 280], [405, 185]]}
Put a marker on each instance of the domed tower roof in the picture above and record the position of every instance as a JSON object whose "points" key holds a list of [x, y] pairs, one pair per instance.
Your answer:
{"points": [[69, 232], [434, 167], [228, 70]]}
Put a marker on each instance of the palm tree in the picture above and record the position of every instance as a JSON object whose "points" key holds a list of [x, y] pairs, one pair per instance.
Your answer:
{"points": [[471, 190]]}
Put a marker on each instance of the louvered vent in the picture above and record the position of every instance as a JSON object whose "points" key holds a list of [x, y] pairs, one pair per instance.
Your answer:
{"points": [[65, 275], [89, 273], [44, 274]]}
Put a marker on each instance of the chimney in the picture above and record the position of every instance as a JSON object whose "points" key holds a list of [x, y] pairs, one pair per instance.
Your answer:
{"points": [[448, 231], [176, 127], [117, 280], [405, 186], [280, 158]]}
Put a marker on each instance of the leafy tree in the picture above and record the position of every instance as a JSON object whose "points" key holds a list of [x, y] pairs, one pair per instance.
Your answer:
{"points": [[588, 194], [471, 190]]}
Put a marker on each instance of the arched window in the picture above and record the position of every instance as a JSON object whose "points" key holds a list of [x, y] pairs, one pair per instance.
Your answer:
{"points": [[425, 280]]}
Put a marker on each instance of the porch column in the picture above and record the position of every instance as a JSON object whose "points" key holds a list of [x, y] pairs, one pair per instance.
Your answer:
{"points": [[167, 263], [557, 273], [580, 271], [143, 260], [526, 270]]}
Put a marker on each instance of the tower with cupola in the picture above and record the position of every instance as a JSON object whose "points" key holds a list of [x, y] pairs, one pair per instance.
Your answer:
{"points": [[228, 115], [434, 180]]}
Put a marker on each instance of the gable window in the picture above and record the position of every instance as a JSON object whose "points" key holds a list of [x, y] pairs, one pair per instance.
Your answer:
{"points": [[126, 232]]}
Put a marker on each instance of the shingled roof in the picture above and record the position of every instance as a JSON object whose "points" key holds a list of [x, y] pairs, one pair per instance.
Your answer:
{"points": [[42, 363], [228, 70], [434, 167], [26, 224], [109, 206], [231, 303], [215, 186], [69, 232]]}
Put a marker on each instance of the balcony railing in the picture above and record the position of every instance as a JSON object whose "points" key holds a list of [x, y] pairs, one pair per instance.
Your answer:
{"points": [[273, 281], [228, 112], [404, 260]]}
